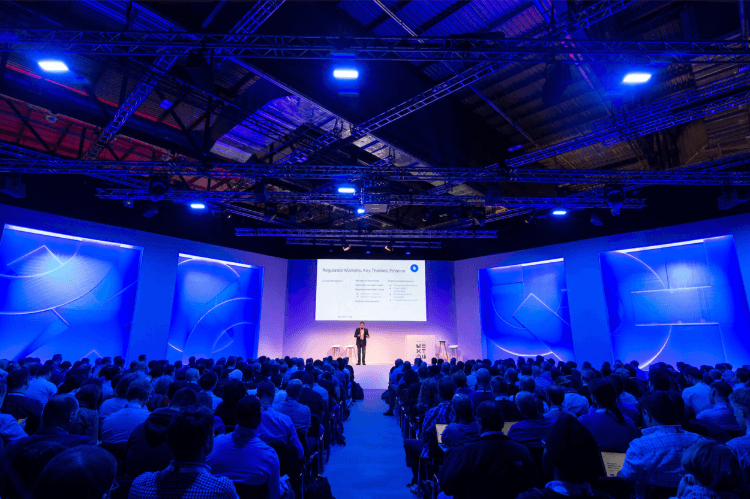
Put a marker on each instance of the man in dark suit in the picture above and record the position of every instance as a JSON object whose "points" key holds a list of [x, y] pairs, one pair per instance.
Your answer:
{"points": [[361, 333], [492, 467]]}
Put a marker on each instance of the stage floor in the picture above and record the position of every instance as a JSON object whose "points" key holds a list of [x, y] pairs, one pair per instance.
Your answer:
{"points": [[372, 376]]}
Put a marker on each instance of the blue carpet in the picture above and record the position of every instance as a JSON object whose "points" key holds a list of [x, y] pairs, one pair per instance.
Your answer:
{"points": [[372, 464]]}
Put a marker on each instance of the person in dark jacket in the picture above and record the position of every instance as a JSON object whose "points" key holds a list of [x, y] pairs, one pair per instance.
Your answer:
{"points": [[147, 448], [492, 467]]}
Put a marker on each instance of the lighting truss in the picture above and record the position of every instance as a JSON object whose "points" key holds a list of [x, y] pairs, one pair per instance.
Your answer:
{"points": [[362, 243], [396, 200], [696, 175], [424, 48], [369, 234]]}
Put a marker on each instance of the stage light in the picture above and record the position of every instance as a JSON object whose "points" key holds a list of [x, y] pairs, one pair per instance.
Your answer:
{"points": [[559, 212], [368, 252], [197, 205], [128, 203], [345, 74], [529, 217], [515, 148], [360, 211], [346, 189], [53, 66], [427, 215], [345, 246], [636, 78], [389, 247], [408, 252], [157, 189], [479, 217]]}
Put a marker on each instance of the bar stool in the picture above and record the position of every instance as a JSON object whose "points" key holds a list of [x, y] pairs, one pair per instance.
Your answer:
{"points": [[453, 351], [442, 351], [349, 348], [336, 351]]}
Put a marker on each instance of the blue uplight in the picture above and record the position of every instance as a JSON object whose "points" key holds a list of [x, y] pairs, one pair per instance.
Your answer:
{"points": [[559, 212], [346, 189], [198, 206], [345, 74], [53, 66], [636, 78]]}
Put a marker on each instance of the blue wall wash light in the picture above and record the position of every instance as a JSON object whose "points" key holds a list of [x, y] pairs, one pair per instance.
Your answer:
{"points": [[53, 66], [677, 302], [345, 74], [65, 294], [636, 78], [216, 304], [524, 310], [198, 205]]}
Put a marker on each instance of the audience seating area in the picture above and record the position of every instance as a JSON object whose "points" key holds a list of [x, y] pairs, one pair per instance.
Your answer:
{"points": [[231, 428], [542, 428]]}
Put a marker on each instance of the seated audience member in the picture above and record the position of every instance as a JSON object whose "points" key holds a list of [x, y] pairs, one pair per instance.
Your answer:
{"points": [[311, 398], [571, 460], [190, 437], [87, 471], [18, 405], [720, 414], [442, 413], [87, 423], [493, 466], [234, 391], [655, 459], [555, 399], [160, 397], [696, 395], [241, 456], [300, 414], [576, 404], [587, 376], [9, 427], [658, 380], [40, 387], [108, 373], [208, 383], [147, 448], [191, 376], [484, 390], [741, 377], [120, 400], [117, 428], [29, 464], [713, 471], [465, 429], [460, 379], [534, 427], [626, 408], [527, 384], [275, 428], [740, 402], [500, 391], [612, 431]]}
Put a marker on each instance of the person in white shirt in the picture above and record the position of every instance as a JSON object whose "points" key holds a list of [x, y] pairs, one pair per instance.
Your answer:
{"points": [[696, 396], [40, 387]]}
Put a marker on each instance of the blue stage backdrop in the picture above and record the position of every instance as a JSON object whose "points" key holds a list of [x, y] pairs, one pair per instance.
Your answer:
{"points": [[64, 294], [524, 310], [682, 301], [216, 305]]}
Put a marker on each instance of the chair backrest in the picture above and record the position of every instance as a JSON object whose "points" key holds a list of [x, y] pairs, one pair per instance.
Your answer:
{"points": [[123, 489], [314, 430], [617, 487], [245, 491]]}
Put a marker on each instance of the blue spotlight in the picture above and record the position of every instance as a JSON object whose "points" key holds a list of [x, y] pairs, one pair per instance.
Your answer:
{"points": [[345, 74], [360, 211], [346, 189], [53, 66], [559, 212], [636, 78], [197, 205]]}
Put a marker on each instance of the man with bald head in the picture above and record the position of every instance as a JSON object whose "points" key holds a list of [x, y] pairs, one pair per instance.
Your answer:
{"points": [[299, 413], [532, 430], [466, 428], [484, 391], [494, 466]]}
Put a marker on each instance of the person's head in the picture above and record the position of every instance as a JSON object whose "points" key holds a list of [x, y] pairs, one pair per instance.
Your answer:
{"points": [[446, 389], [89, 396], [555, 395], [184, 397], [511, 376], [162, 384], [190, 434], [526, 403], [740, 403], [88, 470], [587, 375], [208, 381], [18, 380], [490, 416], [422, 372], [308, 380], [742, 374], [571, 453], [714, 466], [44, 372], [266, 392], [361, 324], [192, 374], [463, 407], [139, 392], [527, 384], [32, 459], [483, 379], [692, 375], [428, 393], [60, 411], [293, 389], [720, 392], [499, 386], [248, 412], [662, 408], [658, 380], [121, 390], [459, 378]]}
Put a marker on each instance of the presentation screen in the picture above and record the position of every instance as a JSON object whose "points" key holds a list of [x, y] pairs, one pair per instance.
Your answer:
{"points": [[370, 290]]}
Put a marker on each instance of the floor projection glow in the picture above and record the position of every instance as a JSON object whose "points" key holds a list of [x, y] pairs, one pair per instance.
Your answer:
{"points": [[524, 310], [216, 309], [677, 302], [65, 294]]}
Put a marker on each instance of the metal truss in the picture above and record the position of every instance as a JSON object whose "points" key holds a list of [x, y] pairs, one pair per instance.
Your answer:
{"points": [[361, 243], [247, 25], [396, 200], [424, 48], [696, 175], [659, 115], [369, 234]]}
